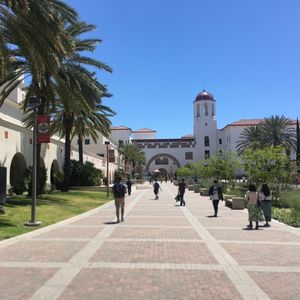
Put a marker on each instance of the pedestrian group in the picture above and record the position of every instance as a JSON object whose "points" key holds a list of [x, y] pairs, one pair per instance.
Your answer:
{"points": [[259, 204]]}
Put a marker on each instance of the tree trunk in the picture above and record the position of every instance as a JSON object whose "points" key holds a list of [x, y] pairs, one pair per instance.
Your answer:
{"points": [[80, 149], [68, 123]]}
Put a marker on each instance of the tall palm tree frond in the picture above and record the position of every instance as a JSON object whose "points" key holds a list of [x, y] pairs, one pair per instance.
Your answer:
{"points": [[249, 138], [279, 130]]}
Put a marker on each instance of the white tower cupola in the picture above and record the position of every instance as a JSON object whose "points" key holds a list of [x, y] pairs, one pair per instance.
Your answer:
{"points": [[205, 125]]}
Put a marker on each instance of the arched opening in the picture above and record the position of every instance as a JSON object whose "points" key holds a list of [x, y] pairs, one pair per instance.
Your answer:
{"points": [[205, 109], [42, 164], [17, 168], [169, 162], [206, 141], [163, 172], [54, 172], [198, 110]]}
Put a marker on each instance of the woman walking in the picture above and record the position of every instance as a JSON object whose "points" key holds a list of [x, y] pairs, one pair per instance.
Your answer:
{"points": [[254, 211], [215, 194], [266, 203]]}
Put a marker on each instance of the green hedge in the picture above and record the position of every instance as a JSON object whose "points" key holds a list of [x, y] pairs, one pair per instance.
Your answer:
{"points": [[287, 215], [84, 174]]}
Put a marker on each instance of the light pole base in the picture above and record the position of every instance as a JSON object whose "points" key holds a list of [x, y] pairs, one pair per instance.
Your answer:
{"points": [[33, 224]]}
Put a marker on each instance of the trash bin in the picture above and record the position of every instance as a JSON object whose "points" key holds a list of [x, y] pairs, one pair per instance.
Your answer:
{"points": [[2, 184]]}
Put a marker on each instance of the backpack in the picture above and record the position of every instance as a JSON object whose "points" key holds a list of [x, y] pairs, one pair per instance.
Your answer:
{"points": [[119, 190]]}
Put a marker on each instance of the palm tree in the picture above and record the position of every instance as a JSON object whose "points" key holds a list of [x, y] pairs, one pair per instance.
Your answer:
{"points": [[133, 156], [250, 138], [77, 89], [91, 124], [32, 43], [278, 130]]}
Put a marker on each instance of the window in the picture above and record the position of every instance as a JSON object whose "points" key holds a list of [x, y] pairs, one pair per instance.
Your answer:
{"points": [[206, 154], [121, 142], [198, 110], [188, 155], [205, 109], [87, 141], [220, 141], [162, 161], [206, 141], [174, 145], [213, 109]]}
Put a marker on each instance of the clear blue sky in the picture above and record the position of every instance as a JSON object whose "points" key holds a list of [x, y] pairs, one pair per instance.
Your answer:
{"points": [[164, 52]]}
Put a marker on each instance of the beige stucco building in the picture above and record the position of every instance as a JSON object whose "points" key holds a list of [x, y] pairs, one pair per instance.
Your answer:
{"points": [[16, 145], [168, 154]]}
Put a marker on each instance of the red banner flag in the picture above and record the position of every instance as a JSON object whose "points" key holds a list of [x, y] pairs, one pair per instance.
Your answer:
{"points": [[43, 129], [111, 155]]}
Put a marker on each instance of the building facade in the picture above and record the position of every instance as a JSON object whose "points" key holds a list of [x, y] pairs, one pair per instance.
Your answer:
{"points": [[207, 140], [16, 146]]}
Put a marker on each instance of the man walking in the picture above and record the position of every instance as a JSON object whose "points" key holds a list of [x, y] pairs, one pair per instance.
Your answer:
{"points": [[181, 191], [215, 194], [156, 188], [129, 184], [119, 190]]}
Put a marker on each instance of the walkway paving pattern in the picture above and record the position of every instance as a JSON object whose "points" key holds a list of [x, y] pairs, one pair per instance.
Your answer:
{"points": [[161, 251]]}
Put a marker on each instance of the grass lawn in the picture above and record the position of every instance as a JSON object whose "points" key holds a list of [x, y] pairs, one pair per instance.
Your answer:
{"points": [[51, 208]]}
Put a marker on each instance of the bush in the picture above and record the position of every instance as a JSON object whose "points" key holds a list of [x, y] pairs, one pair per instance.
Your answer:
{"points": [[84, 174], [57, 180], [287, 215], [287, 199], [286, 207], [41, 181], [205, 183]]}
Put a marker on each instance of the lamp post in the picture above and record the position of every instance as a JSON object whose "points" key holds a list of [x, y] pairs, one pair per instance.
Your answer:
{"points": [[35, 102], [107, 168]]}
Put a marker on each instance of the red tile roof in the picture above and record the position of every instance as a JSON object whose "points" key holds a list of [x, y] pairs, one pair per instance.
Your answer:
{"points": [[144, 130], [120, 128], [251, 122], [246, 122], [187, 136]]}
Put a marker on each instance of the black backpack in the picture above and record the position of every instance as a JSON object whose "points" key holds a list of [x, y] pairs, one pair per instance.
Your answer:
{"points": [[119, 190]]}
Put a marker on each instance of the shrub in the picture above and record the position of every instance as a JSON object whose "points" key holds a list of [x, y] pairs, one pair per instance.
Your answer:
{"points": [[287, 215], [287, 199], [205, 183], [57, 180], [41, 181], [84, 174]]}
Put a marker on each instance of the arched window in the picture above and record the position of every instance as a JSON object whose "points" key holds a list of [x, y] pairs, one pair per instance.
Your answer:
{"points": [[205, 109], [206, 141], [213, 109]]}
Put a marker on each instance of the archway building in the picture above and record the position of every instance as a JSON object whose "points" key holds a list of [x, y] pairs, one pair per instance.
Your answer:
{"points": [[206, 140]]}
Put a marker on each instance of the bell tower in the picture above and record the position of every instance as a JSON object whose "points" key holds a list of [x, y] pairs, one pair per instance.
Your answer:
{"points": [[205, 125]]}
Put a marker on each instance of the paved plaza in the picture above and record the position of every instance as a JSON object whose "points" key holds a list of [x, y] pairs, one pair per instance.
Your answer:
{"points": [[161, 251]]}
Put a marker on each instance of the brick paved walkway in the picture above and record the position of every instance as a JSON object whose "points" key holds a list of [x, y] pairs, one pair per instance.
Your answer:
{"points": [[161, 251]]}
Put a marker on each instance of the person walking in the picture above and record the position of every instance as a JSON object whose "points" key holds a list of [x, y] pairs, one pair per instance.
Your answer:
{"points": [[181, 191], [156, 188], [129, 184], [119, 191], [215, 194], [254, 211], [265, 197]]}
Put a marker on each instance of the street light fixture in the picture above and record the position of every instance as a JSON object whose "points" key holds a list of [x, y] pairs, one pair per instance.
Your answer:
{"points": [[107, 168], [34, 103]]}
